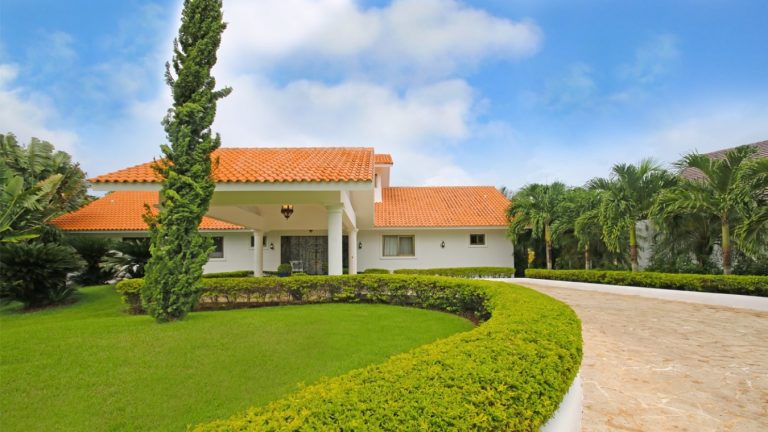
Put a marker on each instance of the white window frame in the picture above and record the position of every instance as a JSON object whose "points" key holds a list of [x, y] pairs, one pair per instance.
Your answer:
{"points": [[217, 258], [398, 256]]}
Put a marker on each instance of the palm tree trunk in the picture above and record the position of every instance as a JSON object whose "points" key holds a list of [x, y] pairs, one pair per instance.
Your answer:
{"points": [[548, 242], [587, 258], [633, 247], [726, 245]]}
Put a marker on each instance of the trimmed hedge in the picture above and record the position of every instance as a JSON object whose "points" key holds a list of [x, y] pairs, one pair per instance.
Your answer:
{"points": [[726, 284], [509, 373], [230, 274], [376, 271], [465, 272]]}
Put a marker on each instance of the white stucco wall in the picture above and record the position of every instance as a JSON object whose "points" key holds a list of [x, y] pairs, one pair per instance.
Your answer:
{"points": [[238, 254], [498, 250]]}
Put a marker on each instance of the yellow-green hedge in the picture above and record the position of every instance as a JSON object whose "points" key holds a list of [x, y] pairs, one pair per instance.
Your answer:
{"points": [[726, 284], [466, 272]]}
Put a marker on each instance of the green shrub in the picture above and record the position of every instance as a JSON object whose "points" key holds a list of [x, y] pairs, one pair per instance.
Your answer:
{"points": [[376, 271], [92, 250], [465, 272], [236, 273], [130, 292], [284, 270], [726, 284], [128, 259], [509, 373], [35, 274]]}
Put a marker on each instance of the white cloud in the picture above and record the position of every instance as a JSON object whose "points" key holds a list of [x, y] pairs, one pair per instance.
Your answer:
{"points": [[423, 38], [29, 115], [652, 60], [411, 125]]}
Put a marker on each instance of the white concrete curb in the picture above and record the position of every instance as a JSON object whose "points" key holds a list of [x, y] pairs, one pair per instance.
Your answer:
{"points": [[567, 418], [728, 300]]}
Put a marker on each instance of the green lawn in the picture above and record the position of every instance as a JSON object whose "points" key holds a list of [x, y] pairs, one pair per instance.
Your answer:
{"points": [[88, 366]]}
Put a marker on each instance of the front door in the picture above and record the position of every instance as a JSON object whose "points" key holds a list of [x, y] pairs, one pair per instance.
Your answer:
{"points": [[312, 251]]}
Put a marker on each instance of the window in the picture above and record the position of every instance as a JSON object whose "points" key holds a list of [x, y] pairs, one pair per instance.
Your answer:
{"points": [[218, 251], [394, 246], [477, 239]]}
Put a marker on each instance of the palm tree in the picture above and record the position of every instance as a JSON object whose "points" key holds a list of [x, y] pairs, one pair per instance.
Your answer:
{"points": [[626, 198], [535, 208], [752, 233], [719, 191], [578, 214]]}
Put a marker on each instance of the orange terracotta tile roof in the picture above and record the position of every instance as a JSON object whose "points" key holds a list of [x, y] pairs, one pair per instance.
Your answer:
{"points": [[448, 206], [271, 165], [122, 211], [383, 159]]}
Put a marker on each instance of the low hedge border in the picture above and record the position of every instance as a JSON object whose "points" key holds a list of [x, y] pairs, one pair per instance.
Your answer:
{"points": [[724, 284], [229, 274], [465, 272], [509, 373]]}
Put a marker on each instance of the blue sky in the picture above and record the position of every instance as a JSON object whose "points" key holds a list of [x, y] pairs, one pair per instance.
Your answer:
{"points": [[501, 92]]}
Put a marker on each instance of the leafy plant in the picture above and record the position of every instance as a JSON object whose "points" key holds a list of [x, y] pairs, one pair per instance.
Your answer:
{"points": [[127, 260], [719, 192], [35, 274], [465, 272], [284, 270], [92, 250], [376, 271], [178, 250], [535, 207], [626, 198]]}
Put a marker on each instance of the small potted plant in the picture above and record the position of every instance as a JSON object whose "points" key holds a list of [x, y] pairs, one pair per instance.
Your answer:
{"points": [[284, 270]]}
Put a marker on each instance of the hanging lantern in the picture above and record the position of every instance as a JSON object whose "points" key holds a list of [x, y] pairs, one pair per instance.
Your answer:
{"points": [[286, 210]]}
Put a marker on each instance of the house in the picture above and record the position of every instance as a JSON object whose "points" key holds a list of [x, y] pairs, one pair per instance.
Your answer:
{"points": [[322, 209]]}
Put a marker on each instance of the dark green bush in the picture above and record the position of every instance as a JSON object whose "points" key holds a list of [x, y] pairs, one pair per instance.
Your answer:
{"points": [[92, 250], [376, 271], [465, 272], [128, 259], [236, 273], [726, 284], [284, 270], [35, 274], [509, 373]]}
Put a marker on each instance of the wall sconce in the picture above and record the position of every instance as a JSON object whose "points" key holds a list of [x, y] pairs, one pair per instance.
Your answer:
{"points": [[286, 210], [271, 246], [360, 245], [442, 244]]}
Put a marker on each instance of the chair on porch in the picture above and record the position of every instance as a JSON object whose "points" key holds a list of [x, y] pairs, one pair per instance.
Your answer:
{"points": [[297, 266]]}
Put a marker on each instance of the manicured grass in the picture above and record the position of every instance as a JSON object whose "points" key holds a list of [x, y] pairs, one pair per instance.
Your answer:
{"points": [[88, 366]]}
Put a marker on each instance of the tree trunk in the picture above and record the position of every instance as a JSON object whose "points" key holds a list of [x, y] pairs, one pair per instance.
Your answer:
{"points": [[726, 245], [633, 247], [587, 258], [548, 242]]}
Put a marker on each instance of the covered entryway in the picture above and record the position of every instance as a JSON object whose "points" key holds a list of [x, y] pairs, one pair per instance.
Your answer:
{"points": [[311, 251]]}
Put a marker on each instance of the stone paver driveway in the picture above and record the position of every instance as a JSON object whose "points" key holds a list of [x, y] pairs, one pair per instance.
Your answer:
{"points": [[659, 365]]}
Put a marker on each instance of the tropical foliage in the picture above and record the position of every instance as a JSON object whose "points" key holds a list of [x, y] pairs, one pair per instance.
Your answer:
{"points": [[35, 273], [178, 250], [127, 259], [699, 222], [536, 208], [37, 183]]}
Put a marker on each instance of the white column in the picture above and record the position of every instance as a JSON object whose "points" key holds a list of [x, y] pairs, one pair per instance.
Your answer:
{"points": [[258, 253], [353, 251], [335, 266]]}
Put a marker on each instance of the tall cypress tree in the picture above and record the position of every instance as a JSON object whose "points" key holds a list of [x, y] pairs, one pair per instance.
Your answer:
{"points": [[178, 250]]}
